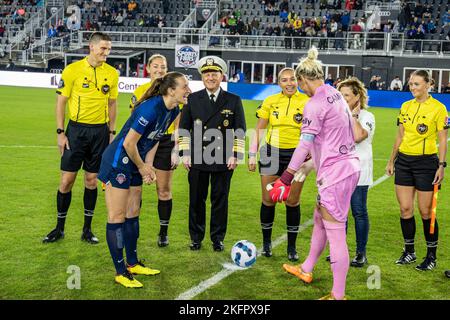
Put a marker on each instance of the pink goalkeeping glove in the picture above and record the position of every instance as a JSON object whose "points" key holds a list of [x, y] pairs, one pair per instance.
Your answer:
{"points": [[281, 188]]}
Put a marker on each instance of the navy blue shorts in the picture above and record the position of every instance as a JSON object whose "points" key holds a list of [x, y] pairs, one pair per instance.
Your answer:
{"points": [[119, 178]]}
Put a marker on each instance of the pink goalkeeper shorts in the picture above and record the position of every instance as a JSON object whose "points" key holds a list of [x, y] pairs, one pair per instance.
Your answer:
{"points": [[336, 198]]}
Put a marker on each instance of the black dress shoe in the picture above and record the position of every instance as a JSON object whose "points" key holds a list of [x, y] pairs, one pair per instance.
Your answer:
{"points": [[359, 261], [54, 236], [328, 258], [218, 246], [447, 273], [195, 245]]}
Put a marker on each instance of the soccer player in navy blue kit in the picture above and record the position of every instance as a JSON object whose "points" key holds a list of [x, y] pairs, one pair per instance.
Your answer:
{"points": [[128, 162]]}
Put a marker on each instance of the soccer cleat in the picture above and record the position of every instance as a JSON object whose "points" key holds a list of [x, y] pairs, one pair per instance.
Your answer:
{"points": [[297, 271], [429, 263], [163, 240], [328, 258], [54, 236], [447, 273], [140, 269], [127, 280], [267, 249], [359, 261], [292, 255], [406, 258], [331, 297], [89, 237], [218, 246]]}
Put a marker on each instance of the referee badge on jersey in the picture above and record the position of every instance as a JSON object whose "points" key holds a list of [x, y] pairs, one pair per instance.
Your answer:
{"points": [[422, 128], [226, 123], [298, 117], [105, 88]]}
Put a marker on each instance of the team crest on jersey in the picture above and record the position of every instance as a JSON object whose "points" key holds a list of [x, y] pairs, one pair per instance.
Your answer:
{"points": [[105, 89], [61, 84], [298, 117], [121, 178], [422, 128]]}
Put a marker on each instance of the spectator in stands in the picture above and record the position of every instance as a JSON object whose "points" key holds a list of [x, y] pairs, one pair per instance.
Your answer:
{"points": [[269, 30], [255, 26], [345, 20], [284, 6], [420, 35], [356, 27], [349, 5], [431, 27], [446, 89], [373, 84], [234, 78], [2, 30], [322, 34], [284, 16], [288, 33], [396, 84], [240, 76], [418, 9], [339, 42], [270, 10], [277, 30], [132, 9], [51, 33], [10, 66], [329, 80], [446, 18]]}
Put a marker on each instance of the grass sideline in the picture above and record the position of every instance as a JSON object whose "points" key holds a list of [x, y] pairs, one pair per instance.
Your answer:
{"points": [[29, 171]]}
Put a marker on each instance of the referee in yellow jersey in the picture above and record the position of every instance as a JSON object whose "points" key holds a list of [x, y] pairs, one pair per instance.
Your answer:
{"points": [[283, 113], [166, 157], [419, 164], [90, 87]]}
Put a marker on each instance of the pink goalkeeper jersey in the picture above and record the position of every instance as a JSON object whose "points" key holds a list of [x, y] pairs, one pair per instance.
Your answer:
{"points": [[328, 117]]}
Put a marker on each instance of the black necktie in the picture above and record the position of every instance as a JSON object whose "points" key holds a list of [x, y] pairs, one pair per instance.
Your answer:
{"points": [[211, 99]]}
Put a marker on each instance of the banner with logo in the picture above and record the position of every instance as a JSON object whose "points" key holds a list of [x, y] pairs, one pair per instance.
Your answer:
{"points": [[203, 14], [51, 80], [186, 56]]}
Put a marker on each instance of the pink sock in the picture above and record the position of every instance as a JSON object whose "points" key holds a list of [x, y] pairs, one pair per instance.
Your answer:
{"points": [[318, 243], [339, 256]]}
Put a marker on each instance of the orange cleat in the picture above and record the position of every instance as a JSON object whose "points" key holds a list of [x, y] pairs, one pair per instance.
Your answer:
{"points": [[297, 271]]}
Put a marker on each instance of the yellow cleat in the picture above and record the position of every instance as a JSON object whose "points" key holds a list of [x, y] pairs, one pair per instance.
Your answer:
{"points": [[331, 297], [127, 280], [141, 269], [297, 271]]}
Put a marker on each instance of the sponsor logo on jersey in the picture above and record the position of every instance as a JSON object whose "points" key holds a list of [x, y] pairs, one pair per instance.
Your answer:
{"points": [[142, 121]]}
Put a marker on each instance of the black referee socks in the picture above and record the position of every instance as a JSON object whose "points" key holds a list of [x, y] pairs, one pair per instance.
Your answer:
{"points": [[62, 205], [431, 239], [164, 212], [90, 200], [292, 223], [267, 216], [409, 231]]}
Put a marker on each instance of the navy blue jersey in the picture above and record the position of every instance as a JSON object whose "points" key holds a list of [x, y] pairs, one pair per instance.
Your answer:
{"points": [[151, 119]]}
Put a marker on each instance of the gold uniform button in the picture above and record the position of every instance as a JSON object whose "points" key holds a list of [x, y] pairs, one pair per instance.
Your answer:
{"points": [[219, 127]]}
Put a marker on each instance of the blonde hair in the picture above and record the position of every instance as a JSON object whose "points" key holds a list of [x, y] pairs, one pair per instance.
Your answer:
{"points": [[309, 67], [155, 56], [284, 70], [357, 88]]}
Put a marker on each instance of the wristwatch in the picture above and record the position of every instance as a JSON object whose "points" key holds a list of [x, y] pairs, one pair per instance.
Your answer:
{"points": [[113, 132], [444, 164], [59, 131]]}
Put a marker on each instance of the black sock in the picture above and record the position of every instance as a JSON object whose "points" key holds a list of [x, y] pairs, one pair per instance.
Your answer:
{"points": [[164, 212], [89, 199], [130, 237], [292, 224], [115, 240], [62, 205], [267, 216], [431, 239], [409, 231]]}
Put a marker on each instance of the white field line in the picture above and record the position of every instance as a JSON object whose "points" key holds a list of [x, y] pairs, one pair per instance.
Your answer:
{"points": [[20, 146], [229, 268]]}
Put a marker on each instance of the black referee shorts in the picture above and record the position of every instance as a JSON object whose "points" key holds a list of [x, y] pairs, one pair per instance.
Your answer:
{"points": [[163, 154], [273, 161], [416, 171], [87, 143]]}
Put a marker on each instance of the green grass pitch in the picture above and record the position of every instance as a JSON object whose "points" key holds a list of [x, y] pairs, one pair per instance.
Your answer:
{"points": [[29, 175]]}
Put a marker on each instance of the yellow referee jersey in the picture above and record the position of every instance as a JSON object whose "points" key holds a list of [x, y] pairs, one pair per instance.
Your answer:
{"points": [[422, 121], [88, 90], [285, 115], [139, 92]]}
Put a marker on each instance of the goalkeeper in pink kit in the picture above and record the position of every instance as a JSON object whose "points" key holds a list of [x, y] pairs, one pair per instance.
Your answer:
{"points": [[327, 134]]}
